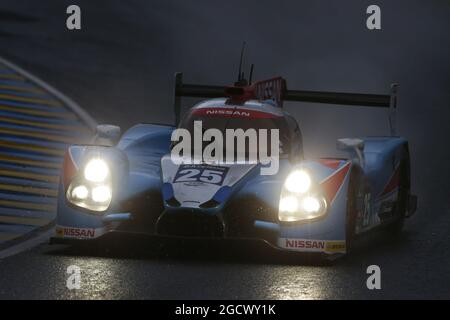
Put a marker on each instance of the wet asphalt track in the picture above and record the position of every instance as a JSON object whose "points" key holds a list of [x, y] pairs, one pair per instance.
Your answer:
{"points": [[119, 68]]}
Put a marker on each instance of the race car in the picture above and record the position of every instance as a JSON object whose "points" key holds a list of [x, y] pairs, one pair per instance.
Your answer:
{"points": [[131, 183]]}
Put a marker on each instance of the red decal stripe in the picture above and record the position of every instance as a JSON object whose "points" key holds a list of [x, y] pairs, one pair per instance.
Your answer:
{"points": [[233, 113], [330, 163], [332, 184]]}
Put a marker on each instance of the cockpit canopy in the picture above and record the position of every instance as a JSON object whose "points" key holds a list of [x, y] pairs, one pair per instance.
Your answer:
{"points": [[217, 114]]}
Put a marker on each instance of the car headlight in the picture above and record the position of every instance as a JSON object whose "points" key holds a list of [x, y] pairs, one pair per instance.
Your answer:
{"points": [[93, 189], [101, 194], [289, 204], [300, 200], [298, 181], [96, 170], [80, 192]]}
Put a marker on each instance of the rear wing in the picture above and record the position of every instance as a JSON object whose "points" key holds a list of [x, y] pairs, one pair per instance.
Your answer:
{"points": [[388, 101]]}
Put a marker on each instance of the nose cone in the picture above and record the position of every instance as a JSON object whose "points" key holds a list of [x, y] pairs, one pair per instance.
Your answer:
{"points": [[200, 186]]}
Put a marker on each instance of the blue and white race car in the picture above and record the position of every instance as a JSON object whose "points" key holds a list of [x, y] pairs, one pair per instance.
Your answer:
{"points": [[130, 183]]}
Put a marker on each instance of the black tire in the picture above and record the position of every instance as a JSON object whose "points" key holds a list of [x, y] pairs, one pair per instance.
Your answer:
{"points": [[400, 206]]}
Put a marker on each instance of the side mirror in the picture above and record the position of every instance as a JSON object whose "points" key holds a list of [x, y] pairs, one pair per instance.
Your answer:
{"points": [[353, 145], [107, 134]]}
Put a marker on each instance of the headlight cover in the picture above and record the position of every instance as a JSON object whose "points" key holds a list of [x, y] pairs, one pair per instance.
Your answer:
{"points": [[92, 189], [300, 199]]}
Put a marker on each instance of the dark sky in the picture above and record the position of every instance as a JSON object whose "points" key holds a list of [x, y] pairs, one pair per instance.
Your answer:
{"points": [[120, 66]]}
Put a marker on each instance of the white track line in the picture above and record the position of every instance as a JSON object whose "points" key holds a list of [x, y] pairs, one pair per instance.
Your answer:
{"points": [[84, 116], [27, 244]]}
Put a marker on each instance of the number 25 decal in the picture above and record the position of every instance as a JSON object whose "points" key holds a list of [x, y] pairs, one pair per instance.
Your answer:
{"points": [[189, 173]]}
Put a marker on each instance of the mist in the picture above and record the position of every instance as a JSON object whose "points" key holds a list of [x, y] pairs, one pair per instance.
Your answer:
{"points": [[120, 66]]}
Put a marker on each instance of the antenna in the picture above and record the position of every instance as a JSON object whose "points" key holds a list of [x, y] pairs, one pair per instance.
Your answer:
{"points": [[241, 78], [251, 74], [241, 61]]}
